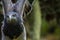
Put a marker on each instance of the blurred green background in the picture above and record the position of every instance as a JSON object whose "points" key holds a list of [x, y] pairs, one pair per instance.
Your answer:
{"points": [[50, 16]]}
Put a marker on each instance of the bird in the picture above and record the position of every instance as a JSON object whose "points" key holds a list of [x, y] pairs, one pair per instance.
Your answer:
{"points": [[13, 26], [27, 10]]}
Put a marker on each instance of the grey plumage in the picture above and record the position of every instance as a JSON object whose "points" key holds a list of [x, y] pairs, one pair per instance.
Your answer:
{"points": [[13, 26]]}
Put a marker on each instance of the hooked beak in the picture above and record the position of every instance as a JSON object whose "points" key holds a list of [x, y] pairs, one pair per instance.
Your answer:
{"points": [[11, 19]]}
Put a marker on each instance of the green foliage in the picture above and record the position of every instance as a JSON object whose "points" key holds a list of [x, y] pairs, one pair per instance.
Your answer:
{"points": [[44, 27], [57, 32], [37, 21], [52, 9]]}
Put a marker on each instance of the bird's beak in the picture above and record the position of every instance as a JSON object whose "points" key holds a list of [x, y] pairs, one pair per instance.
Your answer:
{"points": [[12, 19]]}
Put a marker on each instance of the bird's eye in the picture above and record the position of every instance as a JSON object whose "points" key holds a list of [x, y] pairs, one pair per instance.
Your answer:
{"points": [[14, 15]]}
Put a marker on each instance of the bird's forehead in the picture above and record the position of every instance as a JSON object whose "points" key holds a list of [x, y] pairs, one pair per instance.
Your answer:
{"points": [[11, 13]]}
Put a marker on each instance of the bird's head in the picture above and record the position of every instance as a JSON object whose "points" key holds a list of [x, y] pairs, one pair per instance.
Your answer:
{"points": [[12, 17]]}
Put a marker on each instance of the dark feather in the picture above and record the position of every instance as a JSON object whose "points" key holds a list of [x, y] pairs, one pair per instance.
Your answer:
{"points": [[12, 30]]}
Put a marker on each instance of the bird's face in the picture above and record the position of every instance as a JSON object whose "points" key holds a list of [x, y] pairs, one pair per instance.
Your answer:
{"points": [[12, 17]]}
